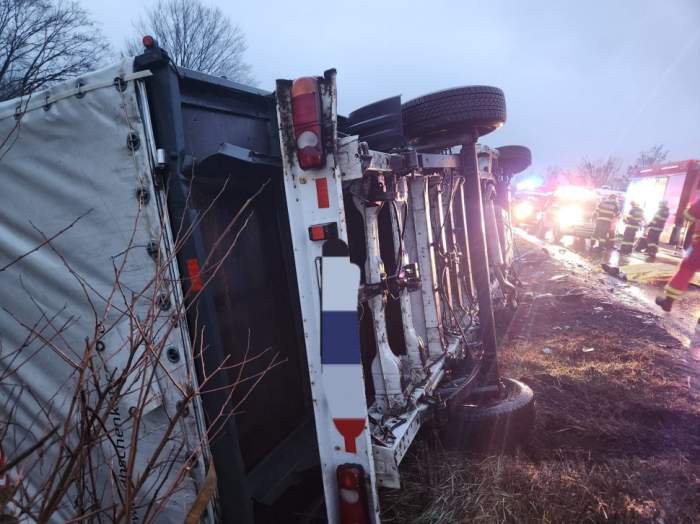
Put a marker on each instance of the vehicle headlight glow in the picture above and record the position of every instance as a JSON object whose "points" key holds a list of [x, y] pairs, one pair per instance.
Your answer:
{"points": [[570, 216], [523, 210], [575, 193]]}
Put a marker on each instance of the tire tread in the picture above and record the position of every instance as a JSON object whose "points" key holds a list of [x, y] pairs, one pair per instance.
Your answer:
{"points": [[470, 106]]}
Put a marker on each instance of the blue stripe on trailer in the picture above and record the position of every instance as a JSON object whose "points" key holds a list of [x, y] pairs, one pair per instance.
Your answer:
{"points": [[340, 337]]}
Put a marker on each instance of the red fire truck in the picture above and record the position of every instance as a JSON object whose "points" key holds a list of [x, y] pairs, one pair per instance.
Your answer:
{"points": [[674, 182]]}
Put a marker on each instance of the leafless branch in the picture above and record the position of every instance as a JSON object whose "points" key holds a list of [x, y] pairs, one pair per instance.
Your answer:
{"points": [[197, 37], [44, 242], [82, 434], [43, 42]]}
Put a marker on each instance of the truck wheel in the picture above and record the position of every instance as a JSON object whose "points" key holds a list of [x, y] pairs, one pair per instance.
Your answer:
{"points": [[496, 425], [514, 159], [445, 118]]}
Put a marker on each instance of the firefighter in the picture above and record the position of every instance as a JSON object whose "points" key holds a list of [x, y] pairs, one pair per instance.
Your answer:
{"points": [[688, 266], [650, 243], [632, 222], [606, 211]]}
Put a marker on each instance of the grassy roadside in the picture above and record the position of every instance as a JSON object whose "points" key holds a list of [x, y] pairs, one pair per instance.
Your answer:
{"points": [[617, 435]]}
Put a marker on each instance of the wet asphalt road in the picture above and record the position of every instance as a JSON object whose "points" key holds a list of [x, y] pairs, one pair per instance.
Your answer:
{"points": [[680, 322]]}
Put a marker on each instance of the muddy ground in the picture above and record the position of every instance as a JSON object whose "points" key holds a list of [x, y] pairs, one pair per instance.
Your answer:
{"points": [[617, 431]]}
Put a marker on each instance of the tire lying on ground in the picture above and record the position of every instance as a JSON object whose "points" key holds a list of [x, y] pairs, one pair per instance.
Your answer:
{"points": [[446, 118], [514, 159], [494, 426]]}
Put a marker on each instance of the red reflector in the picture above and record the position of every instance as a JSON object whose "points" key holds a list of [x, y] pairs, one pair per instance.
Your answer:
{"points": [[306, 117], [317, 233], [323, 232], [148, 41], [322, 193], [193, 272]]}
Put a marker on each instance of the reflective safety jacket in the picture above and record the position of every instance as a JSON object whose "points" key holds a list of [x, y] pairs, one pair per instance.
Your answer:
{"points": [[634, 217], [607, 209], [692, 214], [659, 221]]}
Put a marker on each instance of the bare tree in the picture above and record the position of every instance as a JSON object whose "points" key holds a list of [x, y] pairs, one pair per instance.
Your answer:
{"points": [[555, 176], [599, 172], [43, 42], [197, 37], [649, 157]]}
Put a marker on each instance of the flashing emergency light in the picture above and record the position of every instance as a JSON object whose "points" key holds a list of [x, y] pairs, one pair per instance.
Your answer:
{"points": [[530, 183], [575, 193], [523, 210]]}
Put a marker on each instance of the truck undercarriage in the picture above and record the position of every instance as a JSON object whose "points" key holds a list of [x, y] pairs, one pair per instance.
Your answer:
{"points": [[428, 230]]}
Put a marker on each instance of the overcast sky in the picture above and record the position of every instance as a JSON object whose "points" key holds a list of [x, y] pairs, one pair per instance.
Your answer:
{"points": [[582, 78]]}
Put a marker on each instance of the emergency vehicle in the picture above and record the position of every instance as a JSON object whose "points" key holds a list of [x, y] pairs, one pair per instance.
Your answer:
{"points": [[310, 217], [674, 182], [529, 208], [569, 212]]}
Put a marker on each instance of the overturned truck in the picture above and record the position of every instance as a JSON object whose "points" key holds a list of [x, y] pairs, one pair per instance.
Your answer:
{"points": [[225, 304]]}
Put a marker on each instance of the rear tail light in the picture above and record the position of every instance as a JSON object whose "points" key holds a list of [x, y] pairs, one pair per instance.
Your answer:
{"points": [[353, 495], [306, 117]]}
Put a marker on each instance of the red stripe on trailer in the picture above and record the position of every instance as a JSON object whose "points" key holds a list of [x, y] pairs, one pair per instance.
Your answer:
{"points": [[194, 273], [350, 428], [322, 193]]}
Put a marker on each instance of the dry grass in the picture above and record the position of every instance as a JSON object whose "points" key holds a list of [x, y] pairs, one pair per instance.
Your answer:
{"points": [[617, 435], [563, 488]]}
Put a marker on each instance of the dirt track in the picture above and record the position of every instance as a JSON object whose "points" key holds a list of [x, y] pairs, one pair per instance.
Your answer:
{"points": [[617, 435]]}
